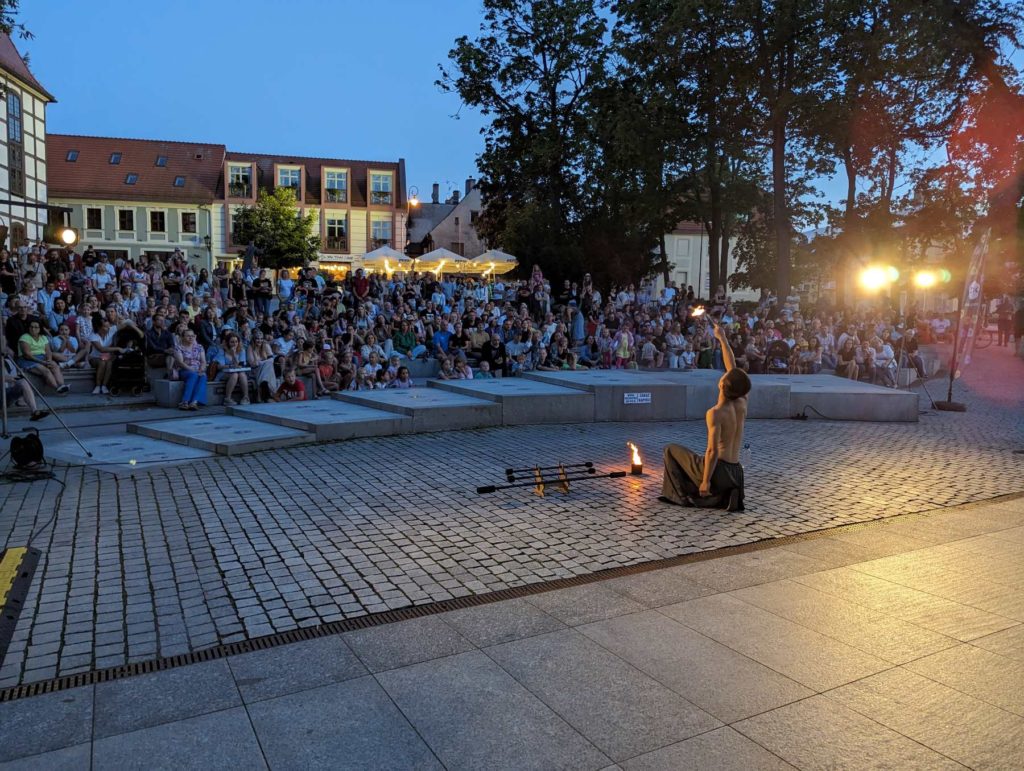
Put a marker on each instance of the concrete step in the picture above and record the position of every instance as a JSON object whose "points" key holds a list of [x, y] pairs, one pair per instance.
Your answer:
{"points": [[527, 402], [431, 409], [123, 453], [223, 434], [328, 419], [625, 395]]}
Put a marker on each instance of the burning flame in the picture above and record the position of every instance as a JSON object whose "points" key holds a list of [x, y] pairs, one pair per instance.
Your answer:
{"points": [[698, 311], [636, 454]]}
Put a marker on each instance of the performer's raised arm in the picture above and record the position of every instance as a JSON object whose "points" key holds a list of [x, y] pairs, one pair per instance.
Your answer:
{"points": [[727, 355]]}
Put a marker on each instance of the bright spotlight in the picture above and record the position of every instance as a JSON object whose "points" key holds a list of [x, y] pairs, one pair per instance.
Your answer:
{"points": [[68, 236], [925, 279], [873, 279], [892, 274]]}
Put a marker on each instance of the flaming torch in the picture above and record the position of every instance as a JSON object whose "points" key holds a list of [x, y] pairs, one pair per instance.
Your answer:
{"points": [[637, 466], [697, 312]]}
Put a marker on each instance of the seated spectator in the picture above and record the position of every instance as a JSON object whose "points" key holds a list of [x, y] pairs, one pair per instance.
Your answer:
{"points": [[847, 365], [484, 372], [19, 390], [66, 349], [159, 344], [190, 363], [233, 368], [36, 357]]}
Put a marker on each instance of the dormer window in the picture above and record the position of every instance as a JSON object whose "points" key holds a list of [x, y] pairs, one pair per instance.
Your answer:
{"points": [[115, 158], [72, 156], [131, 179], [179, 182], [161, 160]]}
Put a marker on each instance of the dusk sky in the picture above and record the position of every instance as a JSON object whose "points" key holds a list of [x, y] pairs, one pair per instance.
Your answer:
{"points": [[337, 78], [305, 77]]}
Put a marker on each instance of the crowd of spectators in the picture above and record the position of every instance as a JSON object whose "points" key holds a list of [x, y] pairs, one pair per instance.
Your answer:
{"points": [[265, 334]]}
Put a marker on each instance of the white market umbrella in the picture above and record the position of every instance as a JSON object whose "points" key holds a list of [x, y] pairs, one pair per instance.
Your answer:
{"points": [[493, 262], [385, 259], [436, 261]]}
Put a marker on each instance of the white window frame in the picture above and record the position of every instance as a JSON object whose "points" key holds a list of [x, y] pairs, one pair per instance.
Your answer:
{"points": [[182, 233], [135, 225], [149, 222], [382, 182], [345, 176], [103, 219]]}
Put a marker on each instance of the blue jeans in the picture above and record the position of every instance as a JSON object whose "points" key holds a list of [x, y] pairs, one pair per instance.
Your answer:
{"points": [[195, 387]]}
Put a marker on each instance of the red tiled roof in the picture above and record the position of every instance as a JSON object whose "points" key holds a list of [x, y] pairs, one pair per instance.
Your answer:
{"points": [[358, 175], [11, 61], [92, 175]]}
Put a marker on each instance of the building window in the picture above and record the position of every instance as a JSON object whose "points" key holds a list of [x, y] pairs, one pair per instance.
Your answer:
{"points": [[337, 234], [16, 168], [157, 222], [131, 179], [18, 236], [380, 189], [72, 156], [473, 217], [289, 178], [336, 185], [381, 233], [14, 117], [94, 218], [188, 222], [459, 248], [115, 158], [240, 181], [161, 160], [179, 182], [126, 219]]}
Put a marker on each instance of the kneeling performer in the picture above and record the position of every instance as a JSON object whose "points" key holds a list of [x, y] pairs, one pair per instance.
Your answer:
{"points": [[716, 479]]}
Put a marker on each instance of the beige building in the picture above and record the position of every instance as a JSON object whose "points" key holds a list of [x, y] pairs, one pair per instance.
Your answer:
{"points": [[23, 157], [449, 225]]}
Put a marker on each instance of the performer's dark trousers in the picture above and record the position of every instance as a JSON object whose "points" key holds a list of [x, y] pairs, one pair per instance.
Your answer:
{"points": [[684, 472]]}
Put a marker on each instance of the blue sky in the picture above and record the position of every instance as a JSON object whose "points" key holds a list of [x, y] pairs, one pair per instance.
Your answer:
{"points": [[306, 77], [334, 78]]}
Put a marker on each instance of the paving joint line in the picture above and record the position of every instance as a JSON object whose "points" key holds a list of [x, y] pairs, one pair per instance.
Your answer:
{"points": [[381, 618]]}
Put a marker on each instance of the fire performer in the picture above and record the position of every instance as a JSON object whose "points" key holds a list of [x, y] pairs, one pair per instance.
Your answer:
{"points": [[716, 479]]}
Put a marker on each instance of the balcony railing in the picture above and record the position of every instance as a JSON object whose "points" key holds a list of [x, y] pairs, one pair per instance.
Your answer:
{"points": [[379, 198], [336, 244], [377, 243], [240, 190], [337, 195], [293, 188]]}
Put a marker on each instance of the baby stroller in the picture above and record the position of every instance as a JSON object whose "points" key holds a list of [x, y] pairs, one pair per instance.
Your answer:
{"points": [[129, 373], [777, 358]]}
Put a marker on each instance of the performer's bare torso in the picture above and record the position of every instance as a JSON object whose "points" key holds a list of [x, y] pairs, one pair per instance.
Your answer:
{"points": [[729, 417]]}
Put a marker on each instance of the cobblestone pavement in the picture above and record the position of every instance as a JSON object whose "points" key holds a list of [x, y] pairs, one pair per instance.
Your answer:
{"points": [[183, 558]]}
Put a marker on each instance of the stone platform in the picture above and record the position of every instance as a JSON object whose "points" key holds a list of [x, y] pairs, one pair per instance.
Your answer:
{"points": [[842, 399], [223, 434], [527, 402], [431, 409], [624, 395], [328, 419], [116, 453]]}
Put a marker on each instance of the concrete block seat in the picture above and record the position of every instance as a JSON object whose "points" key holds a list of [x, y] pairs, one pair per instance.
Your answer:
{"points": [[527, 402], [168, 392], [222, 434], [431, 409], [625, 395], [328, 419]]}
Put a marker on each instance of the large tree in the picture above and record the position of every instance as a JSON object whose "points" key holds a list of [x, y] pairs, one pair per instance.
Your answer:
{"points": [[532, 70], [283, 236]]}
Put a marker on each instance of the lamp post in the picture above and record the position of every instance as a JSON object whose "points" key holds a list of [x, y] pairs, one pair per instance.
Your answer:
{"points": [[208, 242]]}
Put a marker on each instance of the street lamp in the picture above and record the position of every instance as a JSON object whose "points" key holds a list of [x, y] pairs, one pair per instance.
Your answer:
{"points": [[414, 196], [68, 236], [925, 279], [874, 278]]}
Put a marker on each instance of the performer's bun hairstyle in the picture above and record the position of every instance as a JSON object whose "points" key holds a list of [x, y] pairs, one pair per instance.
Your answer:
{"points": [[735, 383]]}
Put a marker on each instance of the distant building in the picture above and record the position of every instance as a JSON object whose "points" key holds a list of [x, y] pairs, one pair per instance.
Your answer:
{"points": [[131, 197], [359, 205], [22, 148], [687, 250], [449, 225]]}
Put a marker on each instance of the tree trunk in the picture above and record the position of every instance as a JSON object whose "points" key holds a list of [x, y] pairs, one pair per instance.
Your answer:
{"points": [[844, 296], [664, 258], [723, 270], [780, 211]]}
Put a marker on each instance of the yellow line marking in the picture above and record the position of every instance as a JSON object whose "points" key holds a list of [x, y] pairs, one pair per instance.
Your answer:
{"points": [[9, 565]]}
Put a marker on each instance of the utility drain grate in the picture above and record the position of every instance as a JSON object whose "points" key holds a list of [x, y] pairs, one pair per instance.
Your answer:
{"points": [[459, 603]]}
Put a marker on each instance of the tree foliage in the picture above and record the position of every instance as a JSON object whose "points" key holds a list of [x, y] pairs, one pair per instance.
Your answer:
{"points": [[283, 236]]}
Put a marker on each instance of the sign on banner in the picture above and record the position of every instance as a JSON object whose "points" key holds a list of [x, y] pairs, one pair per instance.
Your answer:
{"points": [[636, 398]]}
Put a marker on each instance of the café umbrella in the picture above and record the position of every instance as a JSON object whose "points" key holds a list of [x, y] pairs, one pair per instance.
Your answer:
{"points": [[493, 262], [385, 259], [442, 260]]}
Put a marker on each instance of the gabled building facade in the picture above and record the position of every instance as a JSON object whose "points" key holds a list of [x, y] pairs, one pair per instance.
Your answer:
{"points": [[131, 197], [23, 152], [449, 225]]}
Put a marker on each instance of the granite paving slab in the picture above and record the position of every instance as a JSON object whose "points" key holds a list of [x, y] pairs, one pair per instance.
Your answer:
{"points": [[115, 453], [328, 419], [431, 409], [223, 434], [525, 401]]}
